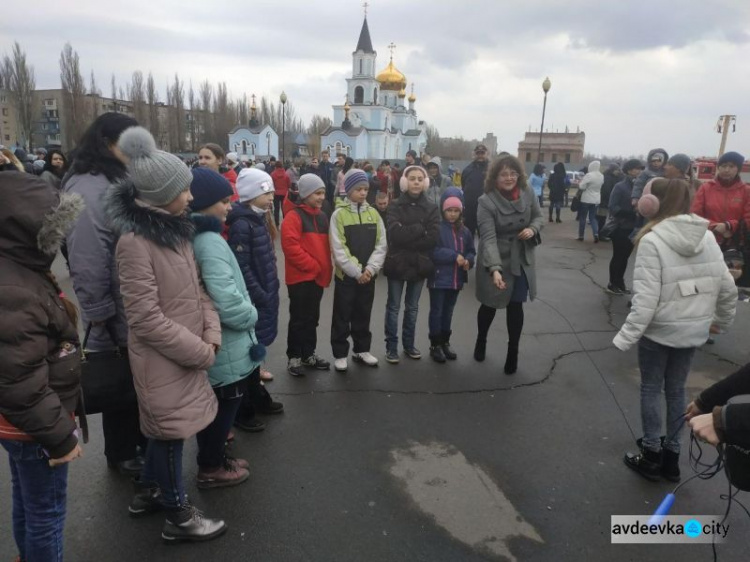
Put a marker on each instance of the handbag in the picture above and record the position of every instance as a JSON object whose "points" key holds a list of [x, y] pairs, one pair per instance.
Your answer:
{"points": [[106, 379], [575, 204], [535, 240]]}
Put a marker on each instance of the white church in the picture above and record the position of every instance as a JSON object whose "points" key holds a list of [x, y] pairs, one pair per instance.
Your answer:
{"points": [[374, 123]]}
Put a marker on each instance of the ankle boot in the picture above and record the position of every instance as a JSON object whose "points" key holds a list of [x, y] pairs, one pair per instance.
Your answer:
{"points": [[646, 463], [190, 525], [447, 349], [670, 465], [511, 361], [145, 500], [480, 349], [436, 349]]}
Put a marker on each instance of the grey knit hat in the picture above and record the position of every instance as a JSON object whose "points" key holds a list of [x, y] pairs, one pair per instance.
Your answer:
{"points": [[158, 177], [309, 184]]}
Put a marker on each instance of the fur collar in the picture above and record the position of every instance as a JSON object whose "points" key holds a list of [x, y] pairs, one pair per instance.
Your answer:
{"points": [[127, 214], [205, 223]]}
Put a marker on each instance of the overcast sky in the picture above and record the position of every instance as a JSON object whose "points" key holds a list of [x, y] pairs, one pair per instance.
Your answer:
{"points": [[632, 74]]}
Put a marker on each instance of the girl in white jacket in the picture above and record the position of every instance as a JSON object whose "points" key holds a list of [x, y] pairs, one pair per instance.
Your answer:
{"points": [[682, 289]]}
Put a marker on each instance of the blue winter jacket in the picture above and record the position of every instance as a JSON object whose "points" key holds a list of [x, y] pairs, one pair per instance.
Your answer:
{"points": [[250, 241], [225, 285], [450, 244]]}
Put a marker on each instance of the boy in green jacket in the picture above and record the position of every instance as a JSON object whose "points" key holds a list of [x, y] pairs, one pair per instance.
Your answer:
{"points": [[358, 244]]}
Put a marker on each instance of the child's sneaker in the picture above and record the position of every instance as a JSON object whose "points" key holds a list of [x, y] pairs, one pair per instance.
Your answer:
{"points": [[295, 367], [315, 362], [340, 364], [614, 290], [392, 356], [367, 358], [413, 353]]}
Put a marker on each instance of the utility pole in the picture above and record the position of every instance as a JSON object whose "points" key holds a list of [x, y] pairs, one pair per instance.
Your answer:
{"points": [[722, 126]]}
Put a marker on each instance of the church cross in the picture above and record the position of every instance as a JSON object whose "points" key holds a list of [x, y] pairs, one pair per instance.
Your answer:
{"points": [[365, 6], [391, 48]]}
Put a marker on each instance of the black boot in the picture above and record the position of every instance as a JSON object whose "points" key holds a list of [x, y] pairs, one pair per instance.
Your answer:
{"points": [[145, 500], [670, 465], [511, 361], [436, 349], [480, 349], [646, 463], [447, 349]]}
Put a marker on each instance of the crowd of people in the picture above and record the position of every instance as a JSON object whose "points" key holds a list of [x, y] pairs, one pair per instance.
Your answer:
{"points": [[175, 265]]}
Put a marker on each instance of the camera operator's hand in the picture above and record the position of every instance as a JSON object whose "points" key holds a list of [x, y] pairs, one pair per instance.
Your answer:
{"points": [[703, 428], [692, 411]]}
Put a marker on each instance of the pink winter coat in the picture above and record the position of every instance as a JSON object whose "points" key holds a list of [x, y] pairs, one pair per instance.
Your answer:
{"points": [[171, 320]]}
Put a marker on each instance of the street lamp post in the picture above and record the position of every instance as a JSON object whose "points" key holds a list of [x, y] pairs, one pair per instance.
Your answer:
{"points": [[546, 85], [283, 98]]}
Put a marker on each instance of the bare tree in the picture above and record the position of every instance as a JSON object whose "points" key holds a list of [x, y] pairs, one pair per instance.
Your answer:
{"points": [[114, 93], [18, 77], [152, 98], [138, 97], [318, 125], [206, 93], [74, 95], [223, 116], [178, 111], [243, 111], [93, 89], [192, 116]]}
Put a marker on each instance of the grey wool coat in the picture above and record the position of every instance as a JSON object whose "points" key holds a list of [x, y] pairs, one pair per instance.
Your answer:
{"points": [[499, 222]]}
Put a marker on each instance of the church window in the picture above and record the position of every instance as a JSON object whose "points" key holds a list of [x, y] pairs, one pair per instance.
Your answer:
{"points": [[252, 148], [339, 146], [567, 157], [348, 150], [359, 94], [244, 146], [375, 96], [528, 156], [554, 157], [360, 66]]}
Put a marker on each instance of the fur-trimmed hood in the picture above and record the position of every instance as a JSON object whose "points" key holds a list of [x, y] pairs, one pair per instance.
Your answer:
{"points": [[34, 219], [126, 213]]}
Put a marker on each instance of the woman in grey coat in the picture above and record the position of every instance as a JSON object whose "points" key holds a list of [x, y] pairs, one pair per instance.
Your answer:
{"points": [[509, 221]]}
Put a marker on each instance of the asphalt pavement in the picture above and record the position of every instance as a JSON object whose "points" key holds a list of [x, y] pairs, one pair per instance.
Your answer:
{"points": [[428, 462]]}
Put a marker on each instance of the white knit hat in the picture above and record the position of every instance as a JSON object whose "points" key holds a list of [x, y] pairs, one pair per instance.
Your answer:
{"points": [[252, 183]]}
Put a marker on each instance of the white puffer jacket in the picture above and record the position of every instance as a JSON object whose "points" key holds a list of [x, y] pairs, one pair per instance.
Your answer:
{"points": [[591, 185], [681, 286]]}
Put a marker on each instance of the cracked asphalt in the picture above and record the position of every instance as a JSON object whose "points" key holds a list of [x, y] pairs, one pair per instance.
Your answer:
{"points": [[546, 443]]}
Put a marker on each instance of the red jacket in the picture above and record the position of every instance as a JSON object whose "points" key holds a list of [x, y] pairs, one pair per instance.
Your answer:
{"points": [[281, 182], [231, 177], [304, 240], [721, 204]]}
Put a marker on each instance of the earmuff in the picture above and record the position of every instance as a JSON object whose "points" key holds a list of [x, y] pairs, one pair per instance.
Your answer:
{"points": [[648, 204], [403, 183]]}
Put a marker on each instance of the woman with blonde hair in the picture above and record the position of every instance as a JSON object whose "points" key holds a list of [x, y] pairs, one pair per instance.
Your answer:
{"points": [[682, 290]]}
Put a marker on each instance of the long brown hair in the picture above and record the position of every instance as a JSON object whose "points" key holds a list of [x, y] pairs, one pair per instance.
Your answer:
{"points": [[674, 199], [70, 308], [497, 166]]}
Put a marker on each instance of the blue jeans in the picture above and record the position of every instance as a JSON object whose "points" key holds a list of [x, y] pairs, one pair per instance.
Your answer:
{"points": [[411, 308], [667, 368], [164, 468], [587, 210], [442, 303], [39, 494]]}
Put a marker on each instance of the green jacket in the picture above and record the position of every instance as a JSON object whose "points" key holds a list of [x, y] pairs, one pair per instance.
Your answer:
{"points": [[225, 285], [358, 240]]}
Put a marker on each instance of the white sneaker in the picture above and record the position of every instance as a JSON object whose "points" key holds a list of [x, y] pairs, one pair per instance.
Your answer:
{"points": [[367, 358], [340, 364]]}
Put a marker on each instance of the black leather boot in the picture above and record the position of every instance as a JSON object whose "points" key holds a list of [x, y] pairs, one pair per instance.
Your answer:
{"points": [[646, 463], [511, 361], [670, 465], [447, 349], [436, 349], [480, 349]]}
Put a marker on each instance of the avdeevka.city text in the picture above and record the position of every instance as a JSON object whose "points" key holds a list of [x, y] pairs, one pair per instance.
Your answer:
{"points": [[668, 528]]}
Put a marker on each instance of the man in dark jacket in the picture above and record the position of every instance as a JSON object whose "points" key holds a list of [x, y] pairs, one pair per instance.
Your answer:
{"points": [[325, 172], [623, 216], [472, 182]]}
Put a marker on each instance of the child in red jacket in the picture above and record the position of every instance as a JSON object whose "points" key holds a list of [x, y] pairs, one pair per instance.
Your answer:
{"points": [[304, 240]]}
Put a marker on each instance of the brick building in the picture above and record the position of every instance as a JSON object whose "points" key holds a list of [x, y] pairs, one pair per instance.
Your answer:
{"points": [[556, 147]]}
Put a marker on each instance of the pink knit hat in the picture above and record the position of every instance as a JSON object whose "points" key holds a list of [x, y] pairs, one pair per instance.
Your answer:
{"points": [[452, 203], [648, 204]]}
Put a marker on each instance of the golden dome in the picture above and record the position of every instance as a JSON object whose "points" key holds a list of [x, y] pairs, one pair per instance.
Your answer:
{"points": [[402, 93], [391, 78], [412, 98]]}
